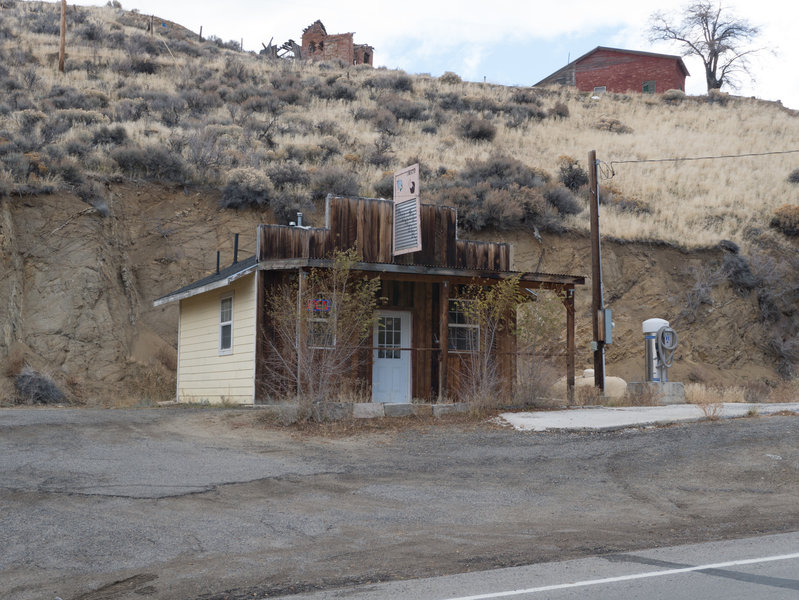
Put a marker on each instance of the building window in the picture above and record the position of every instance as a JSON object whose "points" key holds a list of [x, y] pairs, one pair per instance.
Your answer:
{"points": [[226, 325], [321, 324], [463, 334], [366, 58], [312, 47], [648, 87], [600, 89]]}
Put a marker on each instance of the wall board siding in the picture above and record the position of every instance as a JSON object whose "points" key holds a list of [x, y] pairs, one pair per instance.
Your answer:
{"points": [[204, 374]]}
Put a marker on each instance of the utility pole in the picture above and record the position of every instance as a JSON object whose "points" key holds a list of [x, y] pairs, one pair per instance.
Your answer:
{"points": [[63, 47], [597, 302]]}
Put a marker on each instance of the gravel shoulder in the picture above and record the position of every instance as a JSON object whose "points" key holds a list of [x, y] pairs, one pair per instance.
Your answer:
{"points": [[213, 504]]}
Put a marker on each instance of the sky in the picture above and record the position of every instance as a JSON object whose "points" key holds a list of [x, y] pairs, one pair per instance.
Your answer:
{"points": [[501, 41]]}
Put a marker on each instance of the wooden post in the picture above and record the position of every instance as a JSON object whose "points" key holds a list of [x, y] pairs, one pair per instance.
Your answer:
{"points": [[200, 37], [596, 274], [568, 302], [63, 47], [151, 24], [443, 337], [300, 342]]}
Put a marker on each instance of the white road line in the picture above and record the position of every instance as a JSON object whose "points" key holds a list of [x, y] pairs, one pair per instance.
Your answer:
{"points": [[562, 586]]}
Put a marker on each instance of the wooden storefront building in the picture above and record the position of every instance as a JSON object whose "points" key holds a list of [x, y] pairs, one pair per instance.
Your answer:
{"points": [[416, 287]]}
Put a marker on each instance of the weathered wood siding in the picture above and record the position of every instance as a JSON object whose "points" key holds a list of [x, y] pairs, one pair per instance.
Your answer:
{"points": [[368, 224], [203, 374]]}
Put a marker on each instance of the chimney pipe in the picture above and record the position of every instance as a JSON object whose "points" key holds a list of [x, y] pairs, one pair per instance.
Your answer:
{"points": [[217, 261], [236, 249], [299, 219]]}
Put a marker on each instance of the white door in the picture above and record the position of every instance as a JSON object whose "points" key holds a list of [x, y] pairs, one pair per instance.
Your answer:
{"points": [[391, 368]]}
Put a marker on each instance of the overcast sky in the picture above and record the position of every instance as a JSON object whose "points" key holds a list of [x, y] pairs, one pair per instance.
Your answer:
{"points": [[504, 41]]}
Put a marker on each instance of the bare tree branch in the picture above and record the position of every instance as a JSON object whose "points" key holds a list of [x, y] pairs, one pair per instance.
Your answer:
{"points": [[713, 34]]}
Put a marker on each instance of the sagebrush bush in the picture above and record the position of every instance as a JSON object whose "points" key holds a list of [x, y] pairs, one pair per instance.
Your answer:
{"points": [[571, 174], [612, 125], [33, 387], [673, 96], [793, 177], [287, 173], [110, 135], [739, 273], [786, 219], [151, 162], [477, 129], [563, 200], [402, 108], [559, 111], [333, 180], [501, 171], [450, 78], [246, 188]]}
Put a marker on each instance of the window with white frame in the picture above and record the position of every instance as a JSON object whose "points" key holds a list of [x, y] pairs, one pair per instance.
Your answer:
{"points": [[600, 89], [226, 325], [464, 334]]}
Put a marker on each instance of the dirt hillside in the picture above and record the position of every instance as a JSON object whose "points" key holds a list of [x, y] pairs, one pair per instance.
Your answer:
{"points": [[79, 289]]}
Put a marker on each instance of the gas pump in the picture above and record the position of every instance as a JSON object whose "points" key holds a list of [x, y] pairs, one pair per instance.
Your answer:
{"points": [[660, 342]]}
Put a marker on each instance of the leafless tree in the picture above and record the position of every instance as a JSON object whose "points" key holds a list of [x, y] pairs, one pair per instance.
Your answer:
{"points": [[712, 33]]}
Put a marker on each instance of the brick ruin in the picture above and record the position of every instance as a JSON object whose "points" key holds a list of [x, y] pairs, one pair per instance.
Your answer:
{"points": [[317, 44]]}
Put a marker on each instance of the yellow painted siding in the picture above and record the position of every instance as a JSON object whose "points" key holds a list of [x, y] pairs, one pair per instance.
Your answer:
{"points": [[205, 375]]}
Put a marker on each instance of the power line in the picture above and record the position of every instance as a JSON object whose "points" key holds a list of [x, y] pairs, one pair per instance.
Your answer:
{"points": [[689, 158]]}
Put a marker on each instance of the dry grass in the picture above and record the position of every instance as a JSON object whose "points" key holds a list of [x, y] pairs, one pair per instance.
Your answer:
{"points": [[711, 399], [693, 203]]}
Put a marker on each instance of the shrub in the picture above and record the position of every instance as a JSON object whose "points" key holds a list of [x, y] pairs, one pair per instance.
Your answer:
{"points": [[739, 273], [501, 171], [612, 125], [450, 101], [477, 129], [526, 96], [559, 111], [110, 135], [673, 96], [518, 114], [407, 110], [245, 188], [571, 174], [450, 78], [287, 173], [400, 83], [152, 162], [36, 388], [786, 219], [793, 177], [333, 180], [563, 200], [384, 187]]}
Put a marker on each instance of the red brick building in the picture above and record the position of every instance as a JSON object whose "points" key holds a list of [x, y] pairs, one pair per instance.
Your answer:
{"points": [[621, 71], [317, 44]]}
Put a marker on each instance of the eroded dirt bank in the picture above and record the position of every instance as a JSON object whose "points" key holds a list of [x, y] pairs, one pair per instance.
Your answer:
{"points": [[77, 291]]}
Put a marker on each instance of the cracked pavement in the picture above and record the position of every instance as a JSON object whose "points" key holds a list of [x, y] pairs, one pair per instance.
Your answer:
{"points": [[187, 503]]}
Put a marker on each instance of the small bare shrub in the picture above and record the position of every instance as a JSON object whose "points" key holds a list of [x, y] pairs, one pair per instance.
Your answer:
{"points": [[246, 188], [559, 111], [785, 391], [739, 273], [287, 173], [450, 78], [786, 218], [333, 180], [563, 200], [33, 387], [477, 129], [793, 177], [612, 125], [673, 97], [153, 162], [709, 400], [571, 174], [644, 395], [405, 109]]}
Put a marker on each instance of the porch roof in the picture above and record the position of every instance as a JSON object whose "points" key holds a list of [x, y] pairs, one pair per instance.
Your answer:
{"points": [[429, 273]]}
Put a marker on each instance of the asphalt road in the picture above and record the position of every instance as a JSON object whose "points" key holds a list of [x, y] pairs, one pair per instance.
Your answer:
{"points": [[185, 504], [765, 567]]}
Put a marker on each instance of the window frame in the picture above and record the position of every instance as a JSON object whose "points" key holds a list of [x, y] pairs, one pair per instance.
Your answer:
{"points": [[223, 351], [600, 89], [456, 308], [645, 87], [327, 317]]}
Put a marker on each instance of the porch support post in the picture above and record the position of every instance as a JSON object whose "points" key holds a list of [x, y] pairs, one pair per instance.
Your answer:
{"points": [[443, 336], [568, 302], [299, 341]]}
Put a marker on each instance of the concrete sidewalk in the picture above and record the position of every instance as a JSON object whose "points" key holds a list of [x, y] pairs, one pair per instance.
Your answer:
{"points": [[608, 418]]}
